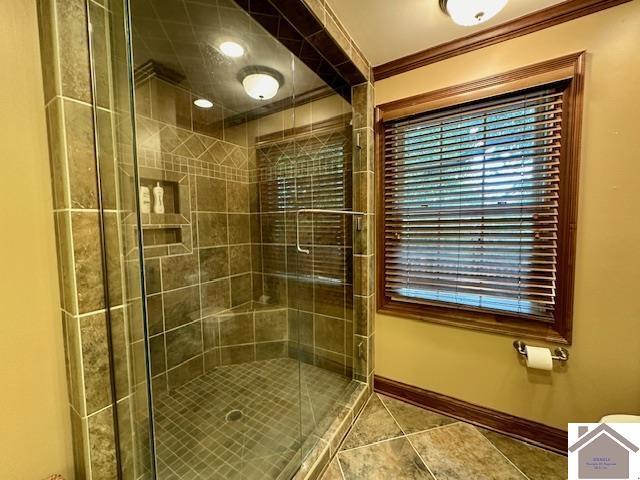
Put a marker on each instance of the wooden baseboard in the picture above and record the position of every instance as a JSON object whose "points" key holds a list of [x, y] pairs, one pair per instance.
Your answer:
{"points": [[549, 438]]}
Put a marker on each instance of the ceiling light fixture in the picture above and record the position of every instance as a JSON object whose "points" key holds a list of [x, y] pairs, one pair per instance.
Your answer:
{"points": [[203, 103], [471, 12], [260, 86], [232, 49], [260, 82]]}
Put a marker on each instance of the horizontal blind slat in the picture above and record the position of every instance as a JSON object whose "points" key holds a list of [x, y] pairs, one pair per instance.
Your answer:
{"points": [[477, 111], [519, 132]]}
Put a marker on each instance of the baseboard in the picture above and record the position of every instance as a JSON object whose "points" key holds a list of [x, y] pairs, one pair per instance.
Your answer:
{"points": [[543, 436]]}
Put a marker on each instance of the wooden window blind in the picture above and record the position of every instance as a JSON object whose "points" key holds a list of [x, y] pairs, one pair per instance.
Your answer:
{"points": [[471, 200], [477, 202]]}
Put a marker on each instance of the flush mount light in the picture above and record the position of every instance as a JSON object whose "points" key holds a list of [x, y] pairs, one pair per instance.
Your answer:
{"points": [[260, 86], [471, 12], [261, 83], [231, 49], [203, 103]]}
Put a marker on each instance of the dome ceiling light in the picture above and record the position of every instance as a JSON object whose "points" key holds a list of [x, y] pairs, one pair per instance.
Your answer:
{"points": [[261, 83], [469, 13]]}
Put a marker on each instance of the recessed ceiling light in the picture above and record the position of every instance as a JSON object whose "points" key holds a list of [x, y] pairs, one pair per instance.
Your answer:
{"points": [[232, 49], [471, 12], [260, 86], [203, 103]]}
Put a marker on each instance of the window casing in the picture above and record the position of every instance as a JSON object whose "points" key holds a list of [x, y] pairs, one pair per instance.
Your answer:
{"points": [[477, 201]]}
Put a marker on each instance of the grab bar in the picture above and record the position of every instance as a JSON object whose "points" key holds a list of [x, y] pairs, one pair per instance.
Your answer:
{"points": [[320, 210]]}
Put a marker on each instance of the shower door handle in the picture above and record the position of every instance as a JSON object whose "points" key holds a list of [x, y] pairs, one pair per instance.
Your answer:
{"points": [[319, 210]]}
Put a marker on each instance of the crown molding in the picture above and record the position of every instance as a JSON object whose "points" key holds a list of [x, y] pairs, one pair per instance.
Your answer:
{"points": [[545, 18]]}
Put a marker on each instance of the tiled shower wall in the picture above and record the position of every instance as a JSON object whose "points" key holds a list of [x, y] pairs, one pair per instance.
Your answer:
{"points": [[364, 240], [200, 289], [84, 112], [238, 236]]}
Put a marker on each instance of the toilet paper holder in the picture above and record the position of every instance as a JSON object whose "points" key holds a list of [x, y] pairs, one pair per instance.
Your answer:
{"points": [[561, 354]]}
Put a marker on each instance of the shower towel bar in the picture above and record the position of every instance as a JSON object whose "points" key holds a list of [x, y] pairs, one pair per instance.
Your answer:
{"points": [[322, 210]]}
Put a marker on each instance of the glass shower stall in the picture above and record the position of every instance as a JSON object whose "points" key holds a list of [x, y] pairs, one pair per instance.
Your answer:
{"points": [[228, 238]]}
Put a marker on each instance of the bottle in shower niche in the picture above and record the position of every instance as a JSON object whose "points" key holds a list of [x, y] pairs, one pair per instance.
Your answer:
{"points": [[158, 199], [145, 200]]}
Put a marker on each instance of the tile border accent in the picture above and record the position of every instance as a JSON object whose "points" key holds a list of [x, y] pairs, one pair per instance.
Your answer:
{"points": [[538, 434], [533, 22]]}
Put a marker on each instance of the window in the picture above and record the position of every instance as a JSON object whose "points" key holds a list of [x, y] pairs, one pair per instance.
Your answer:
{"points": [[307, 170], [477, 210]]}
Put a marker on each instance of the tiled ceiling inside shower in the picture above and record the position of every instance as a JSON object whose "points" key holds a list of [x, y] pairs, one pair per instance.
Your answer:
{"points": [[184, 36]]}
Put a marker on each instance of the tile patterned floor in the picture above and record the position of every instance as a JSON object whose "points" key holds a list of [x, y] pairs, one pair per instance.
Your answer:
{"points": [[281, 403], [394, 440]]}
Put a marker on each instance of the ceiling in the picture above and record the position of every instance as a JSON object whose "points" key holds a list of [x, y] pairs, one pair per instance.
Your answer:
{"points": [[392, 29], [184, 35]]}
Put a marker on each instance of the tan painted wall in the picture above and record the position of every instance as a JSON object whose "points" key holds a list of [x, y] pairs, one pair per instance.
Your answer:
{"points": [[35, 437], [603, 374]]}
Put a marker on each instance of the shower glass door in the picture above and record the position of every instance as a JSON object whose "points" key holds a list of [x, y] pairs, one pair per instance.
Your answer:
{"points": [[210, 84], [235, 348]]}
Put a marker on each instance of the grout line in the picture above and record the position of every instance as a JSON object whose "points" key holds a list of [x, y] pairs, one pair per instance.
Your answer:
{"points": [[71, 99], [438, 428], [409, 440], [196, 254], [421, 458], [340, 466], [500, 452], [391, 414], [101, 410], [434, 428], [372, 444], [164, 326]]}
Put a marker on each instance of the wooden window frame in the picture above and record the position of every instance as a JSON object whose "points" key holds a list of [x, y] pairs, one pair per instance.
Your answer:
{"points": [[570, 69]]}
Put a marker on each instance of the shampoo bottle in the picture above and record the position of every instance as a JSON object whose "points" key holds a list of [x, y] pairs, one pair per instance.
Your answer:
{"points": [[158, 201], [145, 200]]}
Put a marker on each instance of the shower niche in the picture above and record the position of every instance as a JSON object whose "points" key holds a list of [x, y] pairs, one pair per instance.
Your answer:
{"points": [[169, 232]]}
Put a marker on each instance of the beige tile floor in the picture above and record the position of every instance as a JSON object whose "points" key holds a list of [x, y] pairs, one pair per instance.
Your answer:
{"points": [[395, 440]]}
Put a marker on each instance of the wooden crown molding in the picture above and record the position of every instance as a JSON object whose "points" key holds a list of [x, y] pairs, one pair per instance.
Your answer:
{"points": [[545, 18], [544, 436], [547, 71]]}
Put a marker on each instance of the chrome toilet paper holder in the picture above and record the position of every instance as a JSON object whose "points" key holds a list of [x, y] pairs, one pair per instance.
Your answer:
{"points": [[561, 354]]}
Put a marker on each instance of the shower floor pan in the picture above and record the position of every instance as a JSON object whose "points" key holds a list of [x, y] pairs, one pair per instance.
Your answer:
{"points": [[246, 421]]}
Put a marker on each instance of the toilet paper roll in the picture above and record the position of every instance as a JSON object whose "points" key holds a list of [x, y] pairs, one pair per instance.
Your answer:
{"points": [[539, 358]]}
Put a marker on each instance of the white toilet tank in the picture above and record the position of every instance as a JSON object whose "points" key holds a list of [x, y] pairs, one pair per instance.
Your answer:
{"points": [[620, 419]]}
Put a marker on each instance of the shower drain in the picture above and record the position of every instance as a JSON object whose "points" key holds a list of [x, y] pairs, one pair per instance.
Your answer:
{"points": [[233, 415]]}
